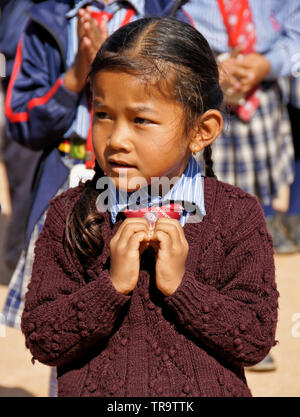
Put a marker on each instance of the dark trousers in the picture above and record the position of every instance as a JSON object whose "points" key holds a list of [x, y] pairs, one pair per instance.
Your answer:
{"points": [[294, 207], [295, 188], [21, 164]]}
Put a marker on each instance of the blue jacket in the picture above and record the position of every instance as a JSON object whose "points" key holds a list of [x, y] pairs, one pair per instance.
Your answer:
{"points": [[38, 107], [12, 23]]}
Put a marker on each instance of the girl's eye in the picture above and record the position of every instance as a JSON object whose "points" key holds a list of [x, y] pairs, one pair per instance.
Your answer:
{"points": [[141, 121], [102, 115]]}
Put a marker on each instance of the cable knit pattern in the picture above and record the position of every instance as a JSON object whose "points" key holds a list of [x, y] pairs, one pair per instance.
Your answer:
{"points": [[195, 342]]}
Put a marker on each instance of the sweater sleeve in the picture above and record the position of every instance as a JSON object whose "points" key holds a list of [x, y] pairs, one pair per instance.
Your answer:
{"points": [[238, 318], [65, 314]]}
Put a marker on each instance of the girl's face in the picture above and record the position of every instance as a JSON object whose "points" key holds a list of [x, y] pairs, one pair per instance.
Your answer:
{"points": [[137, 132]]}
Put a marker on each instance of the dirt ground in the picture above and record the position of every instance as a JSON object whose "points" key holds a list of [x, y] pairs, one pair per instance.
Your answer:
{"points": [[19, 378]]}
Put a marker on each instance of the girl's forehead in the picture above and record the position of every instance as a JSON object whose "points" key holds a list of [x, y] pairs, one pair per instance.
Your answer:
{"points": [[108, 81]]}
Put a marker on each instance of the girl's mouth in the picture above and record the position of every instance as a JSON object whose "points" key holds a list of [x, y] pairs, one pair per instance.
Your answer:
{"points": [[120, 166], [119, 162]]}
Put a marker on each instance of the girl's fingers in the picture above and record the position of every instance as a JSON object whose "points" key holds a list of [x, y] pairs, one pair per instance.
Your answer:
{"points": [[128, 221], [128, 228], [129, 231], [165, 242], [134, 241], [173, 229]]}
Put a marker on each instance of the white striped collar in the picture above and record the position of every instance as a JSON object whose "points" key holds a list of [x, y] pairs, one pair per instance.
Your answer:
{"points": [[188, 190]]}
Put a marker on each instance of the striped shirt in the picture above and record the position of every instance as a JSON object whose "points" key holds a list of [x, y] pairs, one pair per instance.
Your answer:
{"points": [[188, 190], [277, 25]]}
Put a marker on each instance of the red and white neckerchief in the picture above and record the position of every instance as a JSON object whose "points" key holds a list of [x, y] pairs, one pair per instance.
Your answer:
{"points": [[152, 213], [240, 27]]}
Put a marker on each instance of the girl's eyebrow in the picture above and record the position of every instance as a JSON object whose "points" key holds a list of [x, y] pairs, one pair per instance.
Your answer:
{"points": [[138, 108], [97, 103]]}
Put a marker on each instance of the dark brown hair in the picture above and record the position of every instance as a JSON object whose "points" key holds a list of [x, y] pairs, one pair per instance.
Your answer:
{"points": [[176, 58]]}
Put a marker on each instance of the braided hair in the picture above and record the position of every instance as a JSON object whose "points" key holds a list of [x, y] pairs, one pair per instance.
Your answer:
{"points": [[209, 172]]}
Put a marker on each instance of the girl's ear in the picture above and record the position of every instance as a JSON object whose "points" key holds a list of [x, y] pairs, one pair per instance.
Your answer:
{"points": [[207, 129]]}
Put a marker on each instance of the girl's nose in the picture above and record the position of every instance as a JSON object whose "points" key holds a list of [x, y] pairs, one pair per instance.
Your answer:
{"points": [[120, 138]]}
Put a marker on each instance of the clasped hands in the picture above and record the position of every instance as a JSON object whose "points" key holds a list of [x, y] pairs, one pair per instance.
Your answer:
{"points": [[90, 38], [166, 236], [241, 73]]}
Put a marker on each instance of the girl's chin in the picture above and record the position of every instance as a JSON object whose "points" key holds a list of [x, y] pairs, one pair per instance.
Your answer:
{"points": [[125, 189], [129, 184]]}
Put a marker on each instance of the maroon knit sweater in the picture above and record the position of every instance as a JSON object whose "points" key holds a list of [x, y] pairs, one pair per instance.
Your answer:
{"points": [[195, 342]]}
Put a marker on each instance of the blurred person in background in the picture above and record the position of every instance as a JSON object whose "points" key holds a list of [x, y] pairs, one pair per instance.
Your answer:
{"points": [[290, 221], [20, 162], [48, 105], [254, 42]]}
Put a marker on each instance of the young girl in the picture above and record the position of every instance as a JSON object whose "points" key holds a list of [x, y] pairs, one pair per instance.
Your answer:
{"points": [[126, 307]]}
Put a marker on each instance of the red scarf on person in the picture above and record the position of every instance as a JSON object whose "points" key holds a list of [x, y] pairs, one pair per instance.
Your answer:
{"points": [[240, 27]]}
